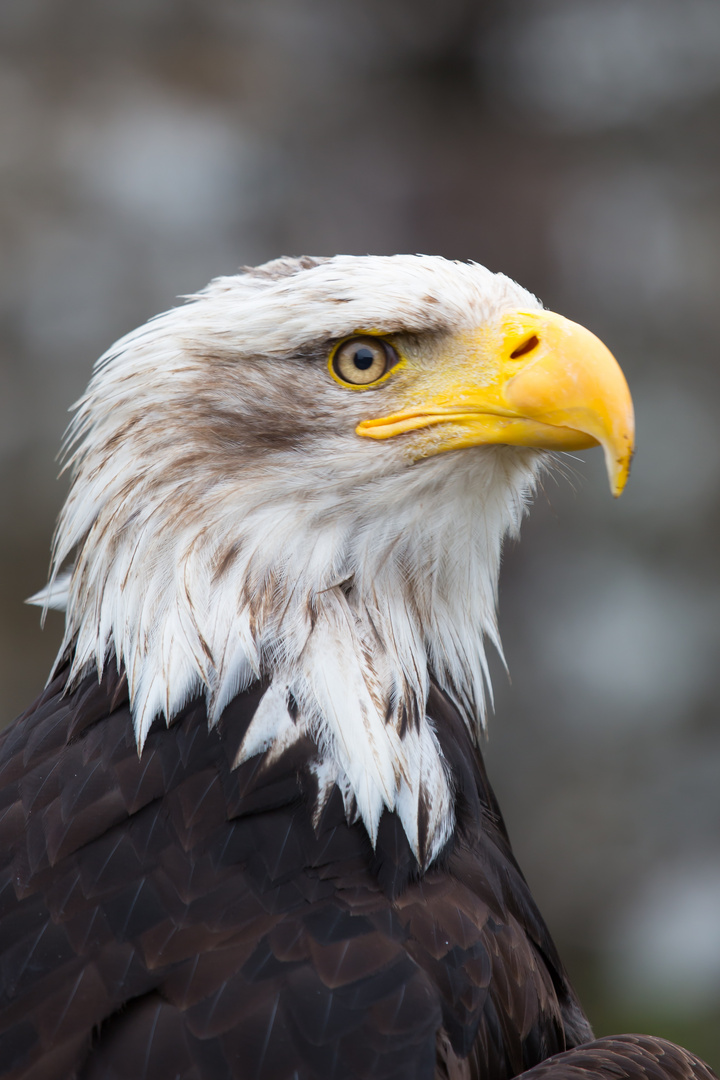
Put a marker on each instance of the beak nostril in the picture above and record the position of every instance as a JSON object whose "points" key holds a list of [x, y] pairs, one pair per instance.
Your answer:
{"points": [[526, 347]]}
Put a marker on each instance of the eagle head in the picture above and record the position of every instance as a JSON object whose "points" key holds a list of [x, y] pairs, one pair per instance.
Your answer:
{"points": [[305, 475]]}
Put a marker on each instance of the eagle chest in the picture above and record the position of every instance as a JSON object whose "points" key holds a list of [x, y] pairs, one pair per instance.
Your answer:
{"points": [[244, 936]]}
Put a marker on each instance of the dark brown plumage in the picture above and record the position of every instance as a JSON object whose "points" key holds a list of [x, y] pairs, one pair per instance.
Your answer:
{"points": [[183, 920], [623, 1055]]}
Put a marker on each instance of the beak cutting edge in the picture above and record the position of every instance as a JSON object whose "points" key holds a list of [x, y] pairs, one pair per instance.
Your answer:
{"points": [[530, 379]]}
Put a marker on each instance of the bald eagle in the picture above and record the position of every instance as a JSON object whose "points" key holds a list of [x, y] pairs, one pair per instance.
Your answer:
{"points": [[246, 831]]}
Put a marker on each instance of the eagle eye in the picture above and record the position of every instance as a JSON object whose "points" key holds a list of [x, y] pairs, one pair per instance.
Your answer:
{"points": [[362, 360]]}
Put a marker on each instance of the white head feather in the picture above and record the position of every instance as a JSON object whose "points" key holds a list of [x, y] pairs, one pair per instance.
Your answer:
{"points": [[225, 522]]}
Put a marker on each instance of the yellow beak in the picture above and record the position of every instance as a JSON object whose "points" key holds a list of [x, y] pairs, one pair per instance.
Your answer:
{"points": [[532, 379]]}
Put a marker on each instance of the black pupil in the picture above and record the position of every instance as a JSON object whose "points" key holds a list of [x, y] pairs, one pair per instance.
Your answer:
{"points": [[363, 358]]}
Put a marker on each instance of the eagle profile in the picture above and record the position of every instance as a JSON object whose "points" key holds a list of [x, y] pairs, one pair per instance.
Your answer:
{"points": [[246, 830]]}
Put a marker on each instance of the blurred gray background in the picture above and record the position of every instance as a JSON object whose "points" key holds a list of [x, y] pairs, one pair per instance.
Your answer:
{"points": [[148, 145]]}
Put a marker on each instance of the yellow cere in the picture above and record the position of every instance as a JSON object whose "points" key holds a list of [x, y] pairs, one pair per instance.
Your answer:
{"points": [[529, 379]]}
